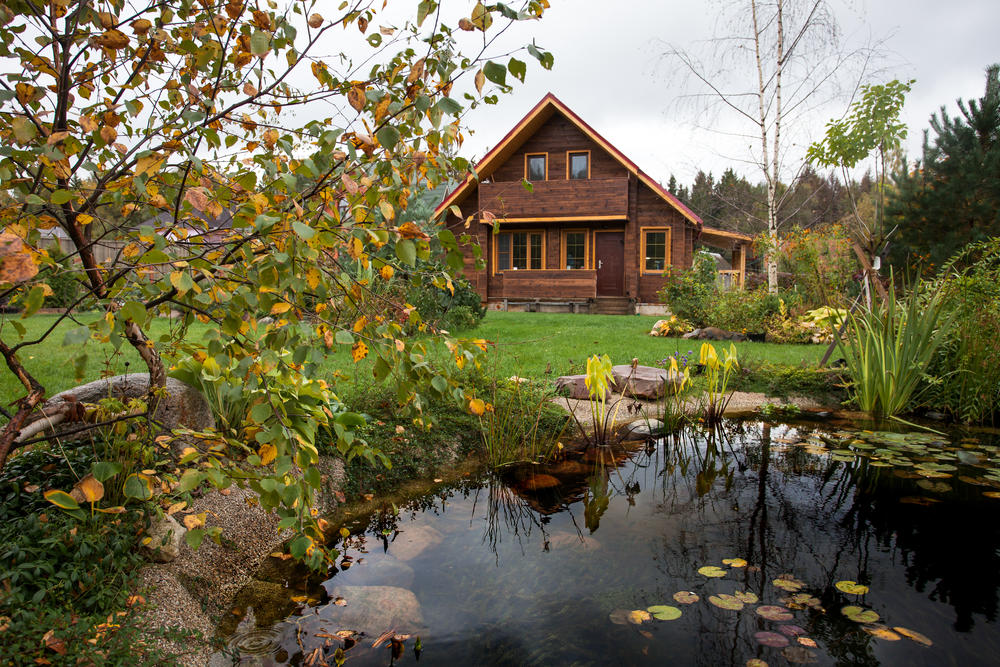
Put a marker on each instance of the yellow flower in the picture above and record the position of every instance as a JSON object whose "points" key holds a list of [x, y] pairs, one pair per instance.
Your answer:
{"points": [[708, 356]]}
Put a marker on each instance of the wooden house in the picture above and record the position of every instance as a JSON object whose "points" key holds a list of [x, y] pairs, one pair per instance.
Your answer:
{"points": [[592, 231]]}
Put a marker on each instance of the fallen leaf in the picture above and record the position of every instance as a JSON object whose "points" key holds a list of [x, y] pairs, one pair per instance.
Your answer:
{"points": [[882, 632], [639, 616], [914, 635]]}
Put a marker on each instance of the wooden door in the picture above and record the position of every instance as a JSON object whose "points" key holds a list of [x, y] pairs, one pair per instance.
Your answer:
{"points": [[610, 256]]}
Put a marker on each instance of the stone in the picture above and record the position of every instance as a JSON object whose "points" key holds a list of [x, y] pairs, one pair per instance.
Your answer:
{"points": [[413, 541], [387, 572], [165, 537], [644, 428], [657, 329], [645, 382], [265, 601], [573, 386], [714, 333], [374, 609], [182, 406]]}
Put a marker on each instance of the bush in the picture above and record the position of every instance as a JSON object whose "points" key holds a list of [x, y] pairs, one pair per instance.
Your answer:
{"points": [[749, 311], [440, 308], [689, 293], [963, 379], [63, 575]]}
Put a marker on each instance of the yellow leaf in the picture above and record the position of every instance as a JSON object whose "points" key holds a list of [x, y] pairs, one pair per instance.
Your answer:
{"points": [[359, 351], [480, 81], [477, 406], [387, 211], [149, 165], [91, 489], [280, 307], [177, 507], [356, 97], [267, 453], [345, 533], [360, 324], [312, 278], [192, 521], [386, 272]]}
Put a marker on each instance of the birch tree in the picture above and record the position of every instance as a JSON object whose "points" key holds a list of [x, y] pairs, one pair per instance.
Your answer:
{"points": [[792, 53]]}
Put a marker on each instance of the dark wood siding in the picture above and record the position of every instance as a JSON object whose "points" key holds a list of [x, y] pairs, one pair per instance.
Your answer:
{"points": [[653, 211], [555, 198], [555, 137]]}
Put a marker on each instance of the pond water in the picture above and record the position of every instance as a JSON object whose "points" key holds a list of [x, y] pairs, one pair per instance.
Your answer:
{"points": [[827, 545]]}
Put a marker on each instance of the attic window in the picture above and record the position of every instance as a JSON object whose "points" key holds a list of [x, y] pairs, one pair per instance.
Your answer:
{"points": [[536, 167], [578, 165]]}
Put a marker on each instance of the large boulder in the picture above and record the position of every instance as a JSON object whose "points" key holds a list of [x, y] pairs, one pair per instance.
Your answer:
{"points": [[413, 541], [181, 406], [163, 539], [374, 609], [574, 386], [645, 382]]}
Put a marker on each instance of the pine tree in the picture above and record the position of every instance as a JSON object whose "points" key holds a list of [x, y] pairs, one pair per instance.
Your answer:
{"points": [[952, 196]]}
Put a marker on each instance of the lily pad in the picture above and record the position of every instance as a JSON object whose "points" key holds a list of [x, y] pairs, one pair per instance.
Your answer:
{"points": [[859, 614], [914, 635], [662, 612], [802, 600], [882, 632], [851, 587], [711, 571], [756, 662], [774, 613], [685, 597], [791, 630], [787, 582], [747, 597], [724, 601], [918, 500], [934, 487], [992, 494], [799, 655], [638, 616], [772, 639], [734, 562], [619, 616]]}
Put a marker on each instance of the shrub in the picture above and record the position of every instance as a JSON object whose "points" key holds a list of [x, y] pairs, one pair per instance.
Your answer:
{"points": [[746, 310], [440, 308], [65, 289], [689, 292], [963, 378]]}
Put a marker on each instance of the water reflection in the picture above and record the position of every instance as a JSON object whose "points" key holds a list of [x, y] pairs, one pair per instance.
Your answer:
{"points": [[525, 567]]}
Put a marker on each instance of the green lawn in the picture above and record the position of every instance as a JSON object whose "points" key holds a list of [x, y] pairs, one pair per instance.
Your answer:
{"points": [[526, 344], [529, 342]]}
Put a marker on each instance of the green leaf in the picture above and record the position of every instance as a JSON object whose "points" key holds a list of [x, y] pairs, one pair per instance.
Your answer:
{"points": [[190, 480], [135, 311], [298, 546], [104, 470], [260, 43], [136, 488], [312, 477], [449, 106], [439, 383], [34, 199], [374, 39], [517, 68], [423, 9], [388, 137], [34, 301], [664, 612], [62, 500], [496, 73], [61, 197], [406, 252], [344, 337], [303, 230], [194, 537], [351, 419], [76, 336]]}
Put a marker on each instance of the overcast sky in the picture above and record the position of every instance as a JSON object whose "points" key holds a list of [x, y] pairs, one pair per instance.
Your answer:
{"points": [[609, 68]]}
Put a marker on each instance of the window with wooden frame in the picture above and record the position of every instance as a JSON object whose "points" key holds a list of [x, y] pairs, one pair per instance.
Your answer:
{"points": [[536, 166], [577, 165], [575, 252], [519, 251], [654, 249]]}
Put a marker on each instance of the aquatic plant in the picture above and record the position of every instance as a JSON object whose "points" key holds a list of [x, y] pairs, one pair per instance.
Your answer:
{"points": [[890, 345], [518, 423], [672, 403], [600, 382], [718, 374]]}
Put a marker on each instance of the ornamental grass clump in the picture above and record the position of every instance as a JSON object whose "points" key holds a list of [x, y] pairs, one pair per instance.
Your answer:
{"points": [[889, 346]]}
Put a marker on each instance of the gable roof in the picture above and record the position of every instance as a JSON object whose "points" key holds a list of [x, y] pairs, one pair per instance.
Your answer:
{"points": [[530, 124]]}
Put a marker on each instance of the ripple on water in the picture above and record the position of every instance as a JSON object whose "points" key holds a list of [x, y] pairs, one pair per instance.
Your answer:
{"points": [[259, 641]]}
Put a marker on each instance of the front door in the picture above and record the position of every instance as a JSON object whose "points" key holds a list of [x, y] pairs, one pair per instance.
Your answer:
{"points": [[610, 256]]}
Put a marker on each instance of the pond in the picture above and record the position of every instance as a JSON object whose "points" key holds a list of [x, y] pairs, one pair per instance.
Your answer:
{"points": [[800, 543]]}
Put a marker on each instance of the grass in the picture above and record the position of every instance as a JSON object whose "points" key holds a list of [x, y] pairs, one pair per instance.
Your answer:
{"points": [[533, 341], [530, 345]]}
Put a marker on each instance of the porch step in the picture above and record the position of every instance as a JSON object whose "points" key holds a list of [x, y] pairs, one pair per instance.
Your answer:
{"points": [[613, 305]]}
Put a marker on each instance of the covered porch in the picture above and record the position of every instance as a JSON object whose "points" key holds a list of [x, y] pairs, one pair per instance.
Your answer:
{"points": [[735, 248]]}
